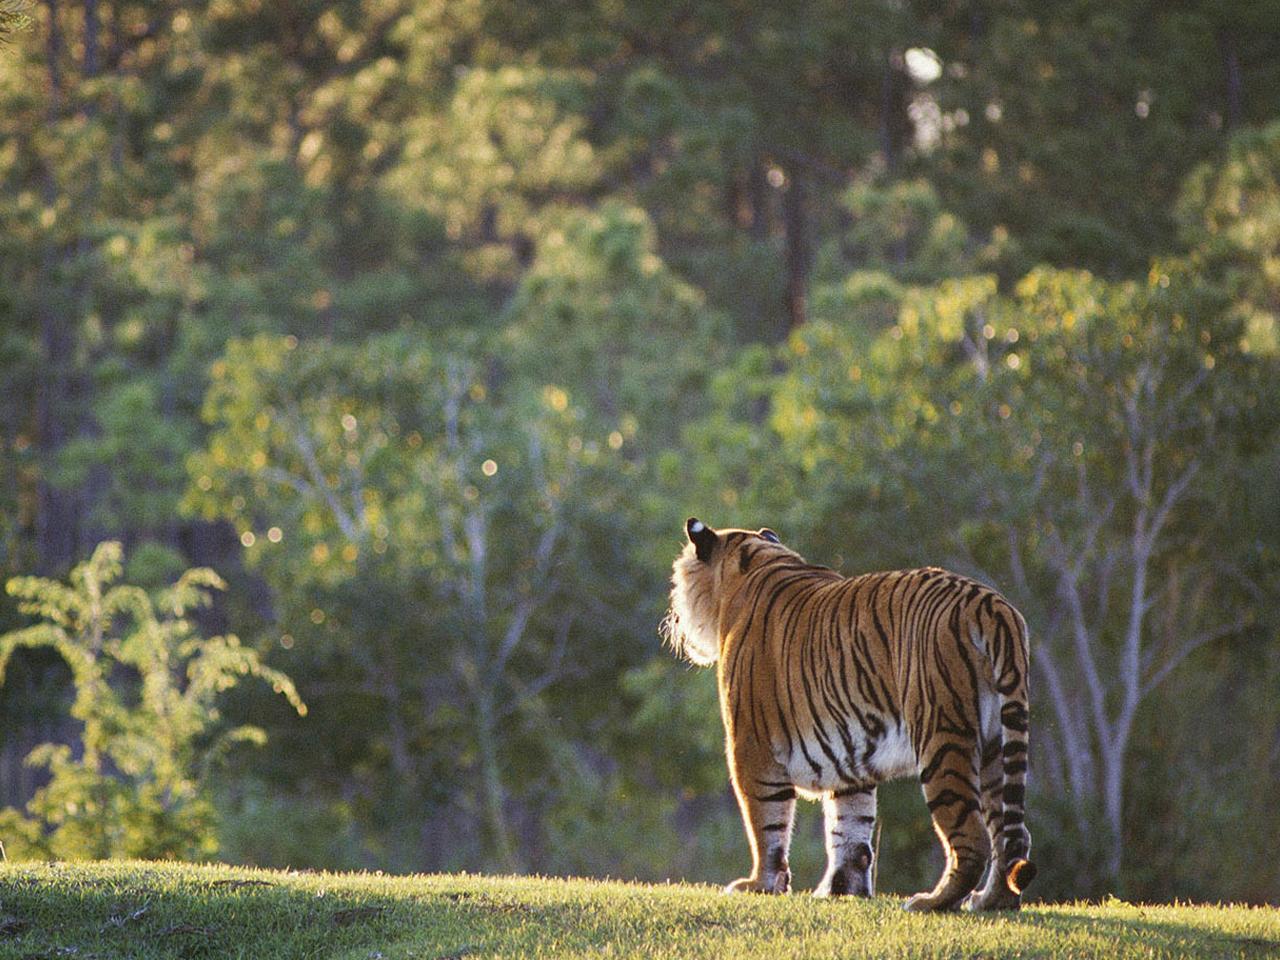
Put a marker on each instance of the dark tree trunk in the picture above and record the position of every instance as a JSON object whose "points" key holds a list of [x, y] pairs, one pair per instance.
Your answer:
{"points": [[733, 212], [91, 30], [56, 518], [1234, 79], [798, 251], [758, 195], [116, 51], [886, 114], [98, 480]]}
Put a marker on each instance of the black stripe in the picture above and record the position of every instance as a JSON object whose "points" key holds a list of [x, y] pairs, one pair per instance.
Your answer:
{"points": [[850, 791], [1014, 716], [788, 794], [948, 797], [990, 751], [777, 860], [929, 771], [839, 884]]}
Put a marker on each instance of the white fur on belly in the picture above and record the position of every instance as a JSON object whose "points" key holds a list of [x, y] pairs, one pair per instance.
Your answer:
{"points": [[894, 755]]}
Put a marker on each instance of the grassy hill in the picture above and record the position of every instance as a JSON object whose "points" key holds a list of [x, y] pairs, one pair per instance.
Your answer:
{"points": [[151, 910]]}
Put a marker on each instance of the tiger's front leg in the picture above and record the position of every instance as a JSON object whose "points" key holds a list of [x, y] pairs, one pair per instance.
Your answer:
{"points": [[768, 803], [850, 817]]}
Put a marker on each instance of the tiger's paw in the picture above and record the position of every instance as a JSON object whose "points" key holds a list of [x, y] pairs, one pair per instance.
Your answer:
{"points": [[928, 903], [850, 876], [778, 883], [844, 883], [996, 898]]}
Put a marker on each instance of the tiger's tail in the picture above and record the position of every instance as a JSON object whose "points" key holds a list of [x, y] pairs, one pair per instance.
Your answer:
{"points": [[1012, 665]]}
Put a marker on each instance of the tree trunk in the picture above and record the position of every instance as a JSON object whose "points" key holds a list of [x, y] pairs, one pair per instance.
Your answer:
{"points": [[117, 102], [55, 514], [798, 253], [1234, 79], [1113, 804], [758, 193], [99, 480], [886, 115], [494, 793], [91, 29]]}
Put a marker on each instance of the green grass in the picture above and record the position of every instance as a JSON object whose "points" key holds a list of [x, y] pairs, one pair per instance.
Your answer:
{"points": [[151, 910]]}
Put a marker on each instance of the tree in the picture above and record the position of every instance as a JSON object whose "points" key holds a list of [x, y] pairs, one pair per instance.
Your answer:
{"points": [[1082, 431], [1070, 128], [146, 690], [1230, 213], [599, 312], [395, 469]]}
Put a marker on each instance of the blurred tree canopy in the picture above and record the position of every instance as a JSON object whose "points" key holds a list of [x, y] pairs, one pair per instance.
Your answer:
{"points": [[426, 323]]}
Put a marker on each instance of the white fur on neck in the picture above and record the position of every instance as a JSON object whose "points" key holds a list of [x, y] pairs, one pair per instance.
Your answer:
{"points": [[691, 626]]}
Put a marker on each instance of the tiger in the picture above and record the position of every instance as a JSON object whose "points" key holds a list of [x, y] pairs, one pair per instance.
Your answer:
{"points": [[830, 685]]}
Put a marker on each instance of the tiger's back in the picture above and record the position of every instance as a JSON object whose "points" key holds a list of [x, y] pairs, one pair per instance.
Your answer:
{"points": [[849, 678], [830, 685]]}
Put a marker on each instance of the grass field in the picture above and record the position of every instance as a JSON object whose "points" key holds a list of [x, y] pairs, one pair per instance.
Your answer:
{"points": [[147, 910]]}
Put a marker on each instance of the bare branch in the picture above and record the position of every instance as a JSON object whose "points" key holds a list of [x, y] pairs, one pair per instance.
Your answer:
{"points": [[287, 479], [550, 675], [1069, 590], [1105, 578], [1188, 648], [1171, 497], [302, 442], [539, 589], [1015, 564], [475, 528], [1133, 432], [1075, 739]]}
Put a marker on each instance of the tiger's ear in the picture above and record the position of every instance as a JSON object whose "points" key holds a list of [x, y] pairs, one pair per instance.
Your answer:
{"points": [[701, 536], [769, 535]]}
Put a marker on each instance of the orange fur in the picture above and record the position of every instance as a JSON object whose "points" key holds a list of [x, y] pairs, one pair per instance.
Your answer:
{"points": [[830, 685]]}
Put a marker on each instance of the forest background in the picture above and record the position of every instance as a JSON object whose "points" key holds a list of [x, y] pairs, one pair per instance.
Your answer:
{"points": [[425, 324]]}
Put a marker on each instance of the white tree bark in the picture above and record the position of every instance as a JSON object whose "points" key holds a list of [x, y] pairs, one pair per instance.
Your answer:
{"points": [[1096, 676]]}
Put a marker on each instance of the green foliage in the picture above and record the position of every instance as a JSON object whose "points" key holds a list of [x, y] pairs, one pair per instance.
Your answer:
{"points": [[901, 229], [1071, 444], [146, 688], [429, 323], [600, 312], [1070, 128], [391, 475], [143, 450], [518, 132], [260, 826], [1231, 217]]}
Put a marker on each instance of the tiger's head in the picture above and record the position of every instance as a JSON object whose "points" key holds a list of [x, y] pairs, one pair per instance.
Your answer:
{"points": [[712, 566]]}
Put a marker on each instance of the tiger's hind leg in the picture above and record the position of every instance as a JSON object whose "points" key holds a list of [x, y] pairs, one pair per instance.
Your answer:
{"points": [[995, 894], [850, 816], [949, 779]]}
